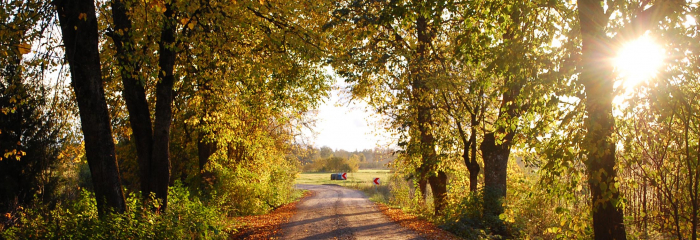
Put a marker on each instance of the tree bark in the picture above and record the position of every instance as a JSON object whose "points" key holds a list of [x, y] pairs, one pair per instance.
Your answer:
{"points": [[134, 92], [496, 154], [423, 187], [160, 175], [495, 172], [597, 77], [421, 102], [438, 184], [79, 27], [204, 150], [152, 141], [471, 163]]}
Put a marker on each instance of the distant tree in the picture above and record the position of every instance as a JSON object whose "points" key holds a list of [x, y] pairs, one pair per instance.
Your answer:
{"points": [[326, 152]]}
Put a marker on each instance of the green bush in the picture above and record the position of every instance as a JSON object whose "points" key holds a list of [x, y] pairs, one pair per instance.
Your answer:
{"points": [[247, 191], [185, 218]]}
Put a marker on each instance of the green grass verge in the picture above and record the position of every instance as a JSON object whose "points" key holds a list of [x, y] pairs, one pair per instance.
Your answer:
{"points": [[361, 180], [362, 177]]}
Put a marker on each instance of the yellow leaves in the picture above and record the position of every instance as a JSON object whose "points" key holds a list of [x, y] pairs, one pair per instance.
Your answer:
{"points": [[24, 48], [158, 5], [190, 23], [17, 154], [82, 16], [73, 153]]}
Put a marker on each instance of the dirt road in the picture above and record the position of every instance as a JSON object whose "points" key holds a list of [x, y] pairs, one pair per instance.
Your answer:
{"points": [[334, 212]]}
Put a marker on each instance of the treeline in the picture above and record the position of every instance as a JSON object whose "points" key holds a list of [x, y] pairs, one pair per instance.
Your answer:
{"points": [[155, 119], [325, 159]]}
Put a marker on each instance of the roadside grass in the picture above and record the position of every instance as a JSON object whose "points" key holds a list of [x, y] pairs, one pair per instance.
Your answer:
{"points": [[361, 180], [362, 177]]}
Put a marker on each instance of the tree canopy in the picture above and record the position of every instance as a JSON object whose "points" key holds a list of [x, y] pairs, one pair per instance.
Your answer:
{"points": [[504, 111]]}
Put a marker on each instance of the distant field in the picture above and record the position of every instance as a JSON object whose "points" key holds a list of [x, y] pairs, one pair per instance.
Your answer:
{"points": [[361, 177]]}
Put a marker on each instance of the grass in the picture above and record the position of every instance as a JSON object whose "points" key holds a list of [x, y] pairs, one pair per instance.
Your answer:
{"points": [[361, 180], [362, 177]]}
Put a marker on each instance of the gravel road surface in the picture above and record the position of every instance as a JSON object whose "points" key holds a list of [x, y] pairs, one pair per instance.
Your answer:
{"points": [[335, 212]]}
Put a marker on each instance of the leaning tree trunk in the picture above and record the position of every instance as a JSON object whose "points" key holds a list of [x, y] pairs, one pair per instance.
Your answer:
{"points": [[597, 77], [79, 27]]}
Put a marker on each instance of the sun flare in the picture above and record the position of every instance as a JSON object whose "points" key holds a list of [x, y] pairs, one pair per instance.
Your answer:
{"points": [[639, 60]]}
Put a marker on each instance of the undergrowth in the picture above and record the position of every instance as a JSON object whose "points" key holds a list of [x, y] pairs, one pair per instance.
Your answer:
{"points": [[186, 218]]}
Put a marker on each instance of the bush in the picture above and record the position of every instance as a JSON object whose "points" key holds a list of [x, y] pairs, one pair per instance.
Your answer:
{"points": [[186, 218], [245, 191]]}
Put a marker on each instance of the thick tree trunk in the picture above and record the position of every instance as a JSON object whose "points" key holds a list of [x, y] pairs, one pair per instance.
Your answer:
{"points": [[438, 184], [134, 93], [160, 175], [79, 27], [597, 78], [495, 154], [495, 172]]}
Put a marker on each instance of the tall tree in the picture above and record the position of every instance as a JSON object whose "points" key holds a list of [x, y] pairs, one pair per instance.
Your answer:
{"points": [[392, 60], [506, 48], [134, 92], [598, 79], [79, 26]]}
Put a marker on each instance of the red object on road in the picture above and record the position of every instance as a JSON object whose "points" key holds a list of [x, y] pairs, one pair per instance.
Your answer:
{"points": [[376, 181], [345, 176]]}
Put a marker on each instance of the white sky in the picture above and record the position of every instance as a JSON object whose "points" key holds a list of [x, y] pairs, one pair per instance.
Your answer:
{"points": [[349, 126]]}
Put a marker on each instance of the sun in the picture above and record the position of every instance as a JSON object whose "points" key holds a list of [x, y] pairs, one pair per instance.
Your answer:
{"points": [[639, 60]]}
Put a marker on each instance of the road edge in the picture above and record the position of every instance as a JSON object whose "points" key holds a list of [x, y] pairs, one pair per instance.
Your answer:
{"points": [[267, 226], [422, 227]]}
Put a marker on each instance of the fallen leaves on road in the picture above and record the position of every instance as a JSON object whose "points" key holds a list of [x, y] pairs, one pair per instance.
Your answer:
{"points": [[420, 226], [266, 226]]}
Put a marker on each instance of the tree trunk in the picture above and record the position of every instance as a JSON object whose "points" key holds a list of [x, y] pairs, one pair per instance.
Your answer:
{"points": [[204, 151], [495, 172], [160, 175], [421, 101], [79, 27], [423, 187], [438, 184], [597, 78], [472, 165], [134, 93]]}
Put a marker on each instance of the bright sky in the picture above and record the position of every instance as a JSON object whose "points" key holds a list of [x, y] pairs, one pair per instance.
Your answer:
{"points": [[348, 126]]}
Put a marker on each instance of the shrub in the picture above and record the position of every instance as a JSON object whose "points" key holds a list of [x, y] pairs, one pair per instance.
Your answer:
{"points": [[245, 191], [186, 218]]}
